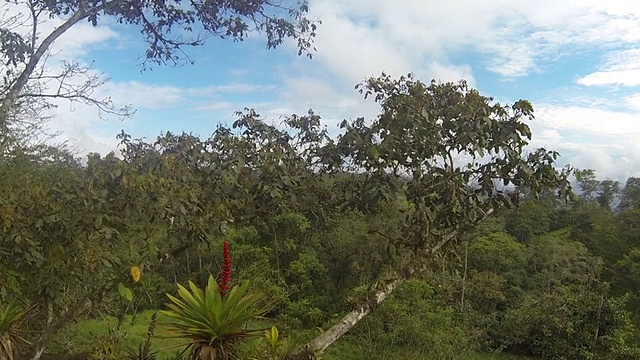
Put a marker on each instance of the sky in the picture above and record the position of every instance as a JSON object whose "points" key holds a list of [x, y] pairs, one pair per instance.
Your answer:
{"points": [[577, 61]]}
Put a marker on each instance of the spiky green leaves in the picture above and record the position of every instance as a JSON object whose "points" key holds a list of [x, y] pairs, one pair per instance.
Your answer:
{"points": [[212, 322], [11, 315]]}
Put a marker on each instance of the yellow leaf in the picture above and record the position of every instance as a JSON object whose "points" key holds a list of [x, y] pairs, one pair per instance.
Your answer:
{"points": [[135, 273]]}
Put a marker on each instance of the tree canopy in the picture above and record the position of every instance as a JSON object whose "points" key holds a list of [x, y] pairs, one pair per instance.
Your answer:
{"points": [[167, 27], [433, 230]]}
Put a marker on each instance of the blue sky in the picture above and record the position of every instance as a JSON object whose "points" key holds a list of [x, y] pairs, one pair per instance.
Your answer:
{"points": [[578, 62]]}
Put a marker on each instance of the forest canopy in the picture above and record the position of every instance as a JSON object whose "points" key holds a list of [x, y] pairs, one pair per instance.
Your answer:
{"points": [[432, 230], [385, 221]]}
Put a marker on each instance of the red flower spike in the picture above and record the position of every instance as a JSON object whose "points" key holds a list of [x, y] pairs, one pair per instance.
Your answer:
{"points": [[225, 278]]}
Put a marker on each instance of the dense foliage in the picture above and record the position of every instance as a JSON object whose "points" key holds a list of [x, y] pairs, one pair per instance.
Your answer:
{"points": [[434, 206]]}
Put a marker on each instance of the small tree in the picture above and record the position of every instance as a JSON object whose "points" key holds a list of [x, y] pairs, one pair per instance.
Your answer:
{"points": [[458, 152]]}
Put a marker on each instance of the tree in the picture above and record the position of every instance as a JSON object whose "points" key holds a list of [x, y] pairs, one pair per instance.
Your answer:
{"points": [[628, 272], [607, 192], [595, 227], [569, 322], [451, 147], [394, 188], [497, 252], [628, 230], [531, 219], [24, 121], [496, 262], [93, 222], [163, 25], [587, 183], [631, 194], [603, 192]]}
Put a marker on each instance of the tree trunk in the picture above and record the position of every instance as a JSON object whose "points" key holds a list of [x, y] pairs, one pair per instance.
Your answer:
{"points": [[38, 353], [7, 352], [318, 345], [78, 309], [322, 342], [21, 81], [464, 275]]}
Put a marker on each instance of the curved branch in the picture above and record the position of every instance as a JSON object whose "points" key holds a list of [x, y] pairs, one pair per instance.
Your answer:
{"points": [[321, 343], [22, 80]]}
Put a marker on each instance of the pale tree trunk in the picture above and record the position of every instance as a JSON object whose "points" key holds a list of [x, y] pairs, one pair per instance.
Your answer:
{"points": [[37, 353], [7, 351], [318, 345], [7, 104], [322, 342], [21, 81], [464, 275]]}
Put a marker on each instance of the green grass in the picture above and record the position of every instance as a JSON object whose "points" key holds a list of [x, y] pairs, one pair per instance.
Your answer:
{"points": [[344, 350], [80, 338], [485, 356]]}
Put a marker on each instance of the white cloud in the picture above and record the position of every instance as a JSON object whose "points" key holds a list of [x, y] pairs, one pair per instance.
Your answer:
{"points": [[453, 73], [589, 121], [592, 138], [80, 125], [79, 39], [144, 96], [514, 38], [362, 38], [609, 162], [548, 136], [621, 68], [633, 102], [309, 90]]}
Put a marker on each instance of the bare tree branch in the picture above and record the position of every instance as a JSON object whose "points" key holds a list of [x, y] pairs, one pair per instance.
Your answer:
{"points": [[30, 84]]}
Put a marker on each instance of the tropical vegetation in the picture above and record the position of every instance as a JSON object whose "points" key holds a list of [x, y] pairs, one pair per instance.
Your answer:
{"points": [[433, 230]]}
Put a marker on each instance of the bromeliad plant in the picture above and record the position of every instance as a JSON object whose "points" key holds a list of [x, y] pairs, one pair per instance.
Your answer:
{"points": [[215, 319], [11, 316]]}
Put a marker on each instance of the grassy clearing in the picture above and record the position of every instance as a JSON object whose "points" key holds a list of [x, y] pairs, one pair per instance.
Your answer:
{"points": [[346, 350], [80, 338], [493, 357]]}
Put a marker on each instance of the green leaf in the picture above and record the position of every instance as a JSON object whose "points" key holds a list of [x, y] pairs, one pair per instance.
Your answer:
{"points": [[374, 153], [125, 292], [272, 336]]}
